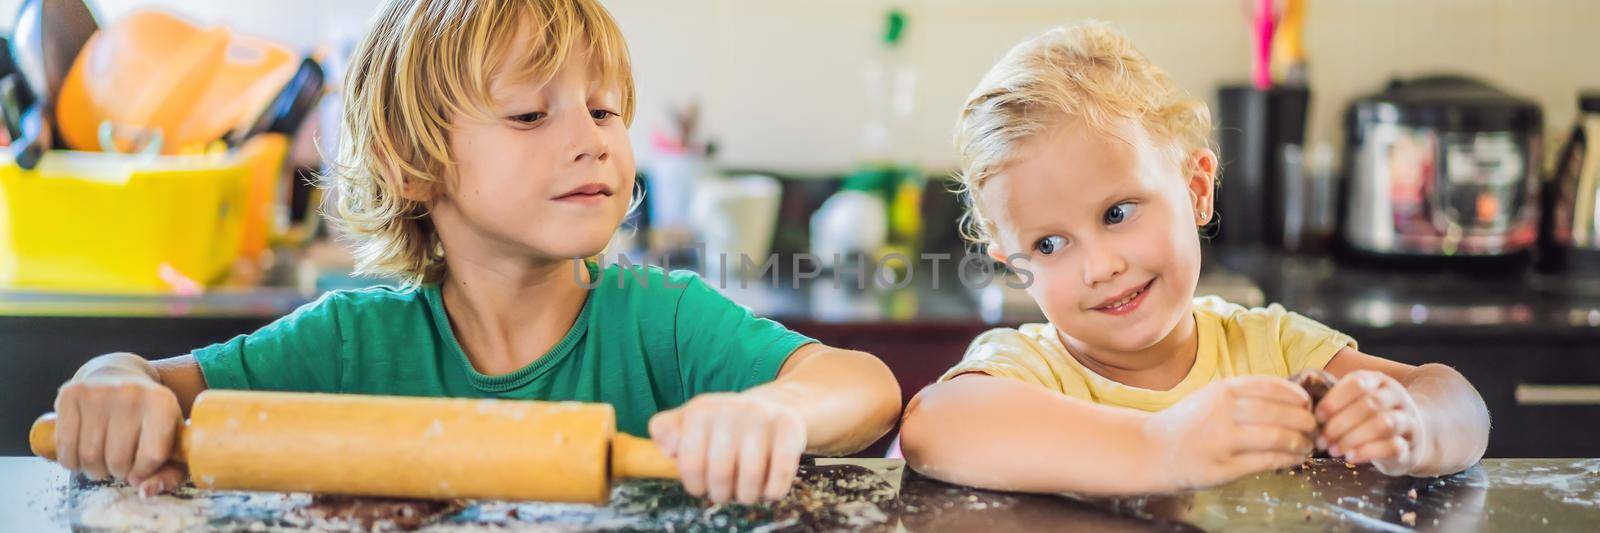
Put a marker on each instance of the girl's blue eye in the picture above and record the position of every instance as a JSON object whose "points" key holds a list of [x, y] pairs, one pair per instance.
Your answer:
{"points": [[1050, 245], [1120, 212], [528, 118]]}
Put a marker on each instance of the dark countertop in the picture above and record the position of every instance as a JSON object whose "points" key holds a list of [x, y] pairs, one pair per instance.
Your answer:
{"points": [[1497, 495], [1409, 298], [1359, 298]]}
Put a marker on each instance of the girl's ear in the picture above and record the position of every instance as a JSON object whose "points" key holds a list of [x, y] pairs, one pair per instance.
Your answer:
{"points": [[1202, 170], [994, 251]]}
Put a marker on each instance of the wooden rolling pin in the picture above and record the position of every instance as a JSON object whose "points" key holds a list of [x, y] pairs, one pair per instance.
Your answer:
{"points": [[404, 447]]}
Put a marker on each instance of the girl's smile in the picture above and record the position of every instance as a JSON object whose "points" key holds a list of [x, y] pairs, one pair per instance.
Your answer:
{"points": [[1126, 302]]}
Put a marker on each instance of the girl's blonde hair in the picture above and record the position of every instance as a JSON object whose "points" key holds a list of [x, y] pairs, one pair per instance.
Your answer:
{"points": [[1089, 72], [423, 63]]}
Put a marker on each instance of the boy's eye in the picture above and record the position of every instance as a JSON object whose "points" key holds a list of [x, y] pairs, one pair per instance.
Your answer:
{"points": [[602, 114], [1120, 212], [1050, 245], [528, 118]]}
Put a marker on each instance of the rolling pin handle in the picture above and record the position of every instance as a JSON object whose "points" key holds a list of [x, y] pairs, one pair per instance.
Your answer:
{"points": [[42, 437], [633, 458]]}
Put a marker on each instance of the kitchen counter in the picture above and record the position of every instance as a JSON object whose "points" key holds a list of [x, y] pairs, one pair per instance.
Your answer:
{"points": [[1531, 344], [1432, 299], [1497, 495], [1343, 295]]}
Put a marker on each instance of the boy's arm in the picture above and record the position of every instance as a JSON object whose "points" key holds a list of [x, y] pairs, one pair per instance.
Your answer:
{"points": [[1004, 434], [747, 445], [181, 374], [847, 399], [119, 414], [1364, 413]]}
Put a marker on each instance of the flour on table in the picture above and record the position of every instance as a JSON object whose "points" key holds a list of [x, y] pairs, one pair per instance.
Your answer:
{"points": [[121, 508]]}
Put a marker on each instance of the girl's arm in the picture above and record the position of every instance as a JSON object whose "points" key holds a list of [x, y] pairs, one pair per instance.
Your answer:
{"points": [[1407, 420], [1000, 433]]}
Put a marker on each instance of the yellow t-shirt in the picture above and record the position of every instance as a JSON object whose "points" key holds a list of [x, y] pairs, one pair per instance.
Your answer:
{"points": [[1233, 341]]}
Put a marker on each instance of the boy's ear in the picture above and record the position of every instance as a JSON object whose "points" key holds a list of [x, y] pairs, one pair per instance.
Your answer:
{"points": [[418, 190], [1202, 170]]}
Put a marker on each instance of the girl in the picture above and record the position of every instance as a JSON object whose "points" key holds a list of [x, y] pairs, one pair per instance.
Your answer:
{"points": [[1088, 167]]}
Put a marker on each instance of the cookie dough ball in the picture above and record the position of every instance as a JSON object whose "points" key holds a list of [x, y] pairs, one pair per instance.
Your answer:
{"points": [[1316, 382]]}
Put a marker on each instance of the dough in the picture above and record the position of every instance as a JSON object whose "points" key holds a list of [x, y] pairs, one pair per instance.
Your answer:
{"points": [[120, 508], [1315, 382]]}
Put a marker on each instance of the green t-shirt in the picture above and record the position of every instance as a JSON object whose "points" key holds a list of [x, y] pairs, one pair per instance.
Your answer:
{"points": [[646, 341]]}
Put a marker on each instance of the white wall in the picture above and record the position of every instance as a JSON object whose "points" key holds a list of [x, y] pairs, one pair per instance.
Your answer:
{"points": [[781, 79]]}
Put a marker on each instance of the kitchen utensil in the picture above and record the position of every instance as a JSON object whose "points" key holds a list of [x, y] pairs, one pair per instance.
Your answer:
{"points": [[35, 137], [11, 90], [15, 96], [1441, 166], [46, 38], [403, 447], [1288, 44], [154, 71], [289, 109], [1261, 32]]}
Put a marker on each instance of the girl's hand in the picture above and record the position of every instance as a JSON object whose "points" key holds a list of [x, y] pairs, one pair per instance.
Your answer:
{"points": [[733, 446], [1370, 417], [1230, 429]]}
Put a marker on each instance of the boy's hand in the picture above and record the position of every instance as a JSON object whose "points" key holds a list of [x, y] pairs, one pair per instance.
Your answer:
{"points": [[1370, 417], [1233, 428], [121, 423], [733, 446]]}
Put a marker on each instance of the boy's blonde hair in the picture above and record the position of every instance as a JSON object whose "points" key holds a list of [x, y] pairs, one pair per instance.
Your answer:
{"points": [[423, 63], [1089, 72]]}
